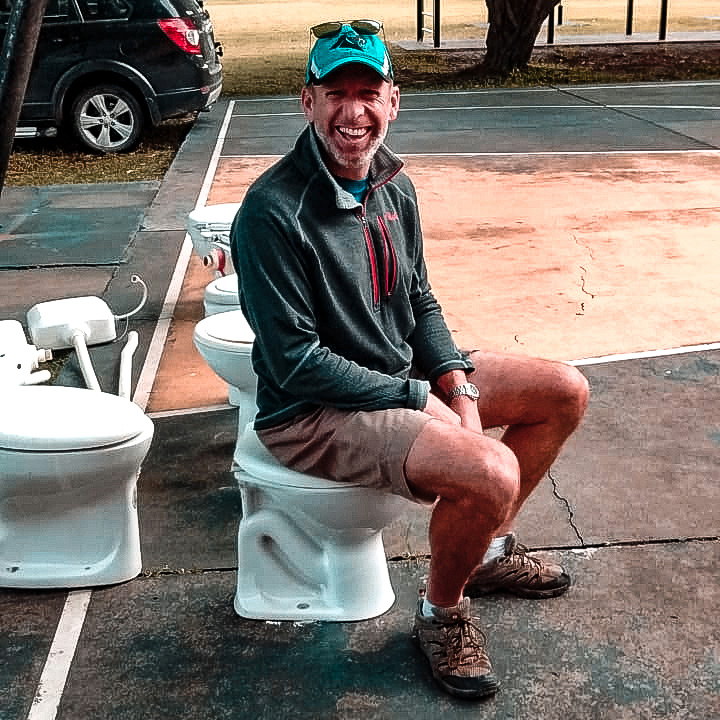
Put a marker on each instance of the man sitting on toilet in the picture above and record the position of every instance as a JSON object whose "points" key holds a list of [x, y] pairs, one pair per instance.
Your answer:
{"points": [[358, 375]]}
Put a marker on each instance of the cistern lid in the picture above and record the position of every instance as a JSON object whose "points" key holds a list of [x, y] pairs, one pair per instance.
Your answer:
{"points": [[216, 217], [57, 418]]}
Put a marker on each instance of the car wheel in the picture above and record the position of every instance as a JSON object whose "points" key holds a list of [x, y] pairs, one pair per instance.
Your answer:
{"points": [[107, 119]]}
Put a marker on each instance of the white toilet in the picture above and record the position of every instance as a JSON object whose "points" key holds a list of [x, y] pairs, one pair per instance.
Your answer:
{"points": [[308, 548], [68, 505], [221, 295]]}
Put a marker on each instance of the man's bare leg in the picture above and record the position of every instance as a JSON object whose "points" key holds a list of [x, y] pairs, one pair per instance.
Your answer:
{"points": [[476, 480], [540, 402]]}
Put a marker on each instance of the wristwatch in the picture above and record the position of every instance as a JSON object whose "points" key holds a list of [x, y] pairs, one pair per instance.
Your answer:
{"points": [[465, 389]]}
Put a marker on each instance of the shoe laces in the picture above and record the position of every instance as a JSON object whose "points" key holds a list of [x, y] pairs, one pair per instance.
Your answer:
{"points": [[519, 556], [465, 643]]}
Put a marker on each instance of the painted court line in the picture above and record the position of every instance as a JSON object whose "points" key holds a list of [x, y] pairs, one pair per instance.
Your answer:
{"points": [[54, 675], [62, 651], [704, 151], [564, 88], [507, 108], [188, 411], [157, 344], [667, 352], [519, 153], [600, 360]]}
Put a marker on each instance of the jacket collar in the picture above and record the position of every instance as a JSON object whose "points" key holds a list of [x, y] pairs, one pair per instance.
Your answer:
{"points": [[306, 153]]}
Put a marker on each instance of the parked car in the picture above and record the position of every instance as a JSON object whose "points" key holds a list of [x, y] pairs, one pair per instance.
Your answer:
{"points": [[107, 69]]}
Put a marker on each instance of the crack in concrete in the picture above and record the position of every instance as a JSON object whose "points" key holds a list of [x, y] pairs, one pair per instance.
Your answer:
{"points": [[571, 514], [584, 274]]}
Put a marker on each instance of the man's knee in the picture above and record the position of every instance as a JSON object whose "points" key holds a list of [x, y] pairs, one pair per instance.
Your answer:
{"points": [[573, 395], [494, 491]]}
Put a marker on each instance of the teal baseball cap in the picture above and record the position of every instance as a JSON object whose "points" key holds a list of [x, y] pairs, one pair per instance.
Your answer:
{"points": [[341, 43]]}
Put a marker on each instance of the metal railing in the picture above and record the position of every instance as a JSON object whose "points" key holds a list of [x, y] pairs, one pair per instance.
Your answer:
{"points": [[433, 17]]}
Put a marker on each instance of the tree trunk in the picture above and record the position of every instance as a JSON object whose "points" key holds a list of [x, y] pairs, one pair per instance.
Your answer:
{"points": [[513, 28], [16, 57]]}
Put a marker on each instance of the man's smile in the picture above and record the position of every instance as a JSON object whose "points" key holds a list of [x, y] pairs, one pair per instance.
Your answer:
{"points": [[352, 133]]}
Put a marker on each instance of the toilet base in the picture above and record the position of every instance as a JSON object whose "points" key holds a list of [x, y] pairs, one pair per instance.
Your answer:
{"points": [[42, 576], [70, 552], [344, 579]]}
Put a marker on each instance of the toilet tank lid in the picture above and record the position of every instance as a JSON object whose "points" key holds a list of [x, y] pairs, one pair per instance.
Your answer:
{"points": [[213, 217], [56, 418]]}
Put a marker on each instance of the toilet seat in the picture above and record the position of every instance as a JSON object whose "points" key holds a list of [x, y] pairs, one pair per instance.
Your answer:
{"points": [[257, 461], [57, 418], [228, 331], [223, 291]]}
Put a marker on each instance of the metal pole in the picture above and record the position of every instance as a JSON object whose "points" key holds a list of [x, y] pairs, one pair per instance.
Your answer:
{"points": [[16, 59], [551, 27], [629, 18], [662, 33], [436, 23]]}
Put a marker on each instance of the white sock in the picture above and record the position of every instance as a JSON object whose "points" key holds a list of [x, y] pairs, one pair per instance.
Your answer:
{"points": [[496, 549], [427, 607]]}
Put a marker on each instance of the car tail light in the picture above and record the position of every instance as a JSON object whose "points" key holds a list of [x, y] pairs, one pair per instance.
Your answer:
{"points": [[183, 33]]}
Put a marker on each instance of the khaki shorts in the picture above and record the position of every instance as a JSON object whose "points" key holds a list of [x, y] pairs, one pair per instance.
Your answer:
{"points": [[369, 447]]}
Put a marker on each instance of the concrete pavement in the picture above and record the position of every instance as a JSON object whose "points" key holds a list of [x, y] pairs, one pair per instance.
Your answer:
{"points": [[532, 246]]}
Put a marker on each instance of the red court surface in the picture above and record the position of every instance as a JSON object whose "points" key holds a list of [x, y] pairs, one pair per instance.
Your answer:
{"points": [[565, 256]]}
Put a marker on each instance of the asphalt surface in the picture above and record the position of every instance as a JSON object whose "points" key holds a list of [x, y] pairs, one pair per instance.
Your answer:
{"points": [[622, 182]]}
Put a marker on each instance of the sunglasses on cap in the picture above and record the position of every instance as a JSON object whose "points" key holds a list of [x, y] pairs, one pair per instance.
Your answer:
{"points": [[361, 27]]}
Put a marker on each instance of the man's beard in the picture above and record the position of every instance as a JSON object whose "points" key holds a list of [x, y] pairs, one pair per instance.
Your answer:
{"points": [[356, 161]]}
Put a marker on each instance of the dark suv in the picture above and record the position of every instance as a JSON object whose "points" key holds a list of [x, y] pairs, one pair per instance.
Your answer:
{"points": [[104, 69]]}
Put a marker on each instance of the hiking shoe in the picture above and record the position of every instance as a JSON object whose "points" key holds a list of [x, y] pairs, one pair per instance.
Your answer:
{"points": [[455, 647], [519, 574]]}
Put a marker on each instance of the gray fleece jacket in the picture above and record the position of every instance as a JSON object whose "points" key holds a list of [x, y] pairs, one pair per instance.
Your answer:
{"points": [[336, 291]]}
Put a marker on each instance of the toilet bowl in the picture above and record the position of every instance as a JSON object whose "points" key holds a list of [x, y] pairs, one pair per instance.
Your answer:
{"points": [[225, 342], [221, 295], [69, 462], [308, 548]]}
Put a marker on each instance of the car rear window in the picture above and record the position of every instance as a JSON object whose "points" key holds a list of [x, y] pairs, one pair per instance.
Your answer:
{"points": [[134, 9], [55, 11], [163, 8], [105, 9]]}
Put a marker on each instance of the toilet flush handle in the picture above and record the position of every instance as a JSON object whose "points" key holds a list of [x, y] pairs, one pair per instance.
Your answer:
{"points": [[215, 260]]}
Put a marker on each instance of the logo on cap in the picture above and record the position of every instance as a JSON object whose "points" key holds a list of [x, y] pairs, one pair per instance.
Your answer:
{"points": [[346, 40]]}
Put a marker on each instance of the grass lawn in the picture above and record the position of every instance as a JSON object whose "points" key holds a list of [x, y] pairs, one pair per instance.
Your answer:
{"points": [[266, 42]]}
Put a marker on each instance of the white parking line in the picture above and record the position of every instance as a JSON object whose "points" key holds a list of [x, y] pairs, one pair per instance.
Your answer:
{"points": [[62, 651], [594, 107], [667, 352], [51, 686], [157, 344], [523, 153], [599, 360]]}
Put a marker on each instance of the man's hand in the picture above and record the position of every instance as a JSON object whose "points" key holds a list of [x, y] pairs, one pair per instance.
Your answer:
{"points": [[438, 409], [467, 411], [463, 410]]}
